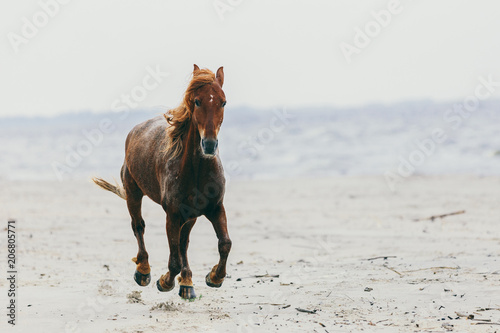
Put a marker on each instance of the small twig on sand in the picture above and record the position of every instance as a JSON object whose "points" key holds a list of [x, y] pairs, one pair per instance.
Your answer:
{"points": [[381, 257], [306, 311], [432, 218], [481, 320], [392, 269], [488, 309], [483, 323], [431, 268]]}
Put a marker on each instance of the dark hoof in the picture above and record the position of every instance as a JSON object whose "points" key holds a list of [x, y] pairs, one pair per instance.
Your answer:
{"points": [[187, 292], [210, 283], [160, 288], [142, 279]]}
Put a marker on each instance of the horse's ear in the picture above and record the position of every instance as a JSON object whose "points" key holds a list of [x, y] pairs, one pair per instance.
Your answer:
{"points": [[196, 69], [220, 76]]}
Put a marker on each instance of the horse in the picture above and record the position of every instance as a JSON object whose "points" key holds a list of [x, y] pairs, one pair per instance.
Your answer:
{"points": [[174, 160]]}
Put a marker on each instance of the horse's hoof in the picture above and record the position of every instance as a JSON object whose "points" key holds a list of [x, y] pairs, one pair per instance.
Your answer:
{"points": [[210, 283], [160, 288], [142, 279], [187, 292]]}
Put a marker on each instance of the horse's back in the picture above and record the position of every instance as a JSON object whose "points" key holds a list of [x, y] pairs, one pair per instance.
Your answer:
{"points": [[152, 131], [144, 147]]}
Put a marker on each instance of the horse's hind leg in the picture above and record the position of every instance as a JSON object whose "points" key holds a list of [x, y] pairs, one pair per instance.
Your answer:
{"points": [[134, 201], [186, 289]]}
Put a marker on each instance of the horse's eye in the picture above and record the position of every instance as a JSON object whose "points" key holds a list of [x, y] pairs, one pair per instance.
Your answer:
{"points": [[197, 102], [224, 104]]}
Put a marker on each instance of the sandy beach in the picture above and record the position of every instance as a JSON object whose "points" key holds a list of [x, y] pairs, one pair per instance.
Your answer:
{"points": [[360, 142], [348, 250]]}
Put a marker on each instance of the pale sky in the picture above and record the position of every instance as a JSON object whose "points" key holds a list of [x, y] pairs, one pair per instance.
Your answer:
{"points": [[274, 53]]}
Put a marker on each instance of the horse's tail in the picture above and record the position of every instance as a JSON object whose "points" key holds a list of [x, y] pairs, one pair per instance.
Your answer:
{"points": [[116, 189]]}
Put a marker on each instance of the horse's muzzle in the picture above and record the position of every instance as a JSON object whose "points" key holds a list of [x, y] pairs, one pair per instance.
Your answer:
{"points": [[209, 146]]}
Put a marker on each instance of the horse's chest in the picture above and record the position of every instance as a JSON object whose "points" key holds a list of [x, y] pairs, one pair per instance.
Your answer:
{"points": [[194, 197]]}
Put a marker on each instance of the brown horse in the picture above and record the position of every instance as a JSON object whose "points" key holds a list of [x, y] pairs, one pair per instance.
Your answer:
{"points": [[174, 160]]}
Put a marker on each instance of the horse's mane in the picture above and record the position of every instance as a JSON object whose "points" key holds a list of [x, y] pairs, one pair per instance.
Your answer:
{"points": [[180, 117]]}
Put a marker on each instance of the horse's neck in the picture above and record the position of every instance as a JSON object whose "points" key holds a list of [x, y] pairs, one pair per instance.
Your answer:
{"points": [[192, 158]]}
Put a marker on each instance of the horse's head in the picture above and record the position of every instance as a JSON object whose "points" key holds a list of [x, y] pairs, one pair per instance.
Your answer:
{"points": [[208, 111]]}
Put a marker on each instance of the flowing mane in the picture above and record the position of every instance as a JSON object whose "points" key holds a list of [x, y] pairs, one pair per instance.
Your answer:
{"points": [[180, 117]]}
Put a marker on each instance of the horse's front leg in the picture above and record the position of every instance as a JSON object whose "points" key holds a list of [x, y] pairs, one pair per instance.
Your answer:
{"points": [[167, 281], [186, 289], [219, 222]]}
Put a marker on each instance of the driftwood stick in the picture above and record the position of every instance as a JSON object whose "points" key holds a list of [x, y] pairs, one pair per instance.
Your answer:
{"points": [[431, 268], [306, 311], [274, 304], [380, 257], [432, 218]]}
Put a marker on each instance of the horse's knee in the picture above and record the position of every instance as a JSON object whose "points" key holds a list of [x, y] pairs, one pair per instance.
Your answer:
{"points": [[225, 246], [138, 226], [174, 267]]}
